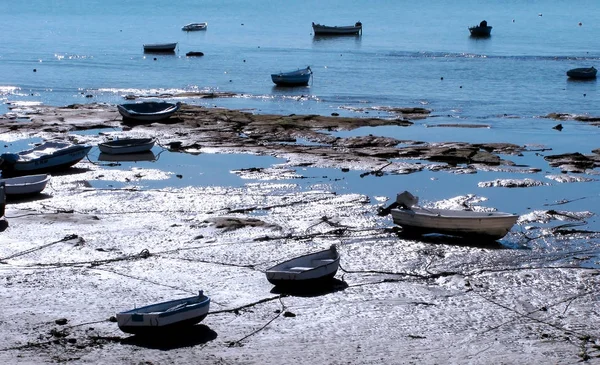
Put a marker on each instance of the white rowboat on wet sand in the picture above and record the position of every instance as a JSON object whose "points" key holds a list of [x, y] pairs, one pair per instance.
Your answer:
{"points": [[418, 220], [308, 270], [25, 185], [165, 316]]}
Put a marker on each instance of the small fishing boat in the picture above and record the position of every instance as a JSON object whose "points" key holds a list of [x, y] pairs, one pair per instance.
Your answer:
{"points": [[127, 146], [307, 270], [166, 316], [47, 157], [148, 111], [418, 220], [25, 185], [319, 29], [584, 73], [293, 78], [194, 26], [481, 30], [194, 54], [160, 47], [130, 157]]}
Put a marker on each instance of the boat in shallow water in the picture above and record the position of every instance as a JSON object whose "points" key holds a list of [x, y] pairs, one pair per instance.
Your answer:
{"points": [[583, 73], [46, 157], [320, 29], [292, 78], [308, 270], [165, 316], [418, 220], [194, 26], [481, 30], [127, 146], [160, 47]]}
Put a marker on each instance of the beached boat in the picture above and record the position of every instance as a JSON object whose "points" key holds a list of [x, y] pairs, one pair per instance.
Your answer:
{"points": [[148, 111], [584, 73], [47, 157], [165, 316], [307, 270], [292, 78], [194, 26], [319, 29], [25, 185], [127, 146], [160, 47], [418, 220], [130, 157], [481, 30]]}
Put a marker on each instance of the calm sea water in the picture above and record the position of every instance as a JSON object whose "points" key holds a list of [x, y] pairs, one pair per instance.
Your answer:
{"points": [[94, 47]]}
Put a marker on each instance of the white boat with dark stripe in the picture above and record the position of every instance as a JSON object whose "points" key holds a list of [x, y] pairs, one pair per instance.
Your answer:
{"points": [[164, 316]]}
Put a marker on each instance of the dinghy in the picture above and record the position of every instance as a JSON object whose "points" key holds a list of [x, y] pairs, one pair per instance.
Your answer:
{"points": [[320, 29], [307, 270], [160, 47], [482, 30], [293, 78], [165, 316], [148, 111], [194, 26], [25, 185], [418, 220], [47, 157], [582, 73], [127, 146]]}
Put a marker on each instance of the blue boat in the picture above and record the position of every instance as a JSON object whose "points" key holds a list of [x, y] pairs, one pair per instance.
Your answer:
{"points": [[292, 78], [47, 157], [165, 316]]}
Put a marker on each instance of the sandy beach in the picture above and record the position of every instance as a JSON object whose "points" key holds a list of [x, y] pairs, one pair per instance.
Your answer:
{"points": [[75, 256]]}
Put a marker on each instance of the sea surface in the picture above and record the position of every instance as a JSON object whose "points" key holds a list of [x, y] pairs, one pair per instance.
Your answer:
{"points": [[410, 54]]}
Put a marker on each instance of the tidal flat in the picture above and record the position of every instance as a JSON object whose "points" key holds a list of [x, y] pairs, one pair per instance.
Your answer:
{"points": [[108, 236]]}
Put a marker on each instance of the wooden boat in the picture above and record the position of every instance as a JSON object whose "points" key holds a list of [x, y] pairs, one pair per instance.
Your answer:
{"points": [[127, 146], [293, 78], [25, 185], [417, 220], [481, 30], [47, 157], [319, 29], [307, 270], [194, 26], [148, 111], [160, 47], [582, 73], [162, 317]]}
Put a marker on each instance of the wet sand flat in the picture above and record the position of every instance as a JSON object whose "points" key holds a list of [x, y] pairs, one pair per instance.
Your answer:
{"points": [[75, 256]]}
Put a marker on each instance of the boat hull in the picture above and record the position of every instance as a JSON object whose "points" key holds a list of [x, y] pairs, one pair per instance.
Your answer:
{"points": [[2, 200], [160, 47], [293, 78], [479, 31], [25, 185], [127, 146], [310, 270], [194, 26], [319, 29], [48, 157], [582, 73], [148, 111], [483, 225], [166, 316]]}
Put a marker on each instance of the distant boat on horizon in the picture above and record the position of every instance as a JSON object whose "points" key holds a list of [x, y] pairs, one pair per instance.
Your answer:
{"points": [[160, 47], [320, 29], [481, 30], [194, 26]]}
